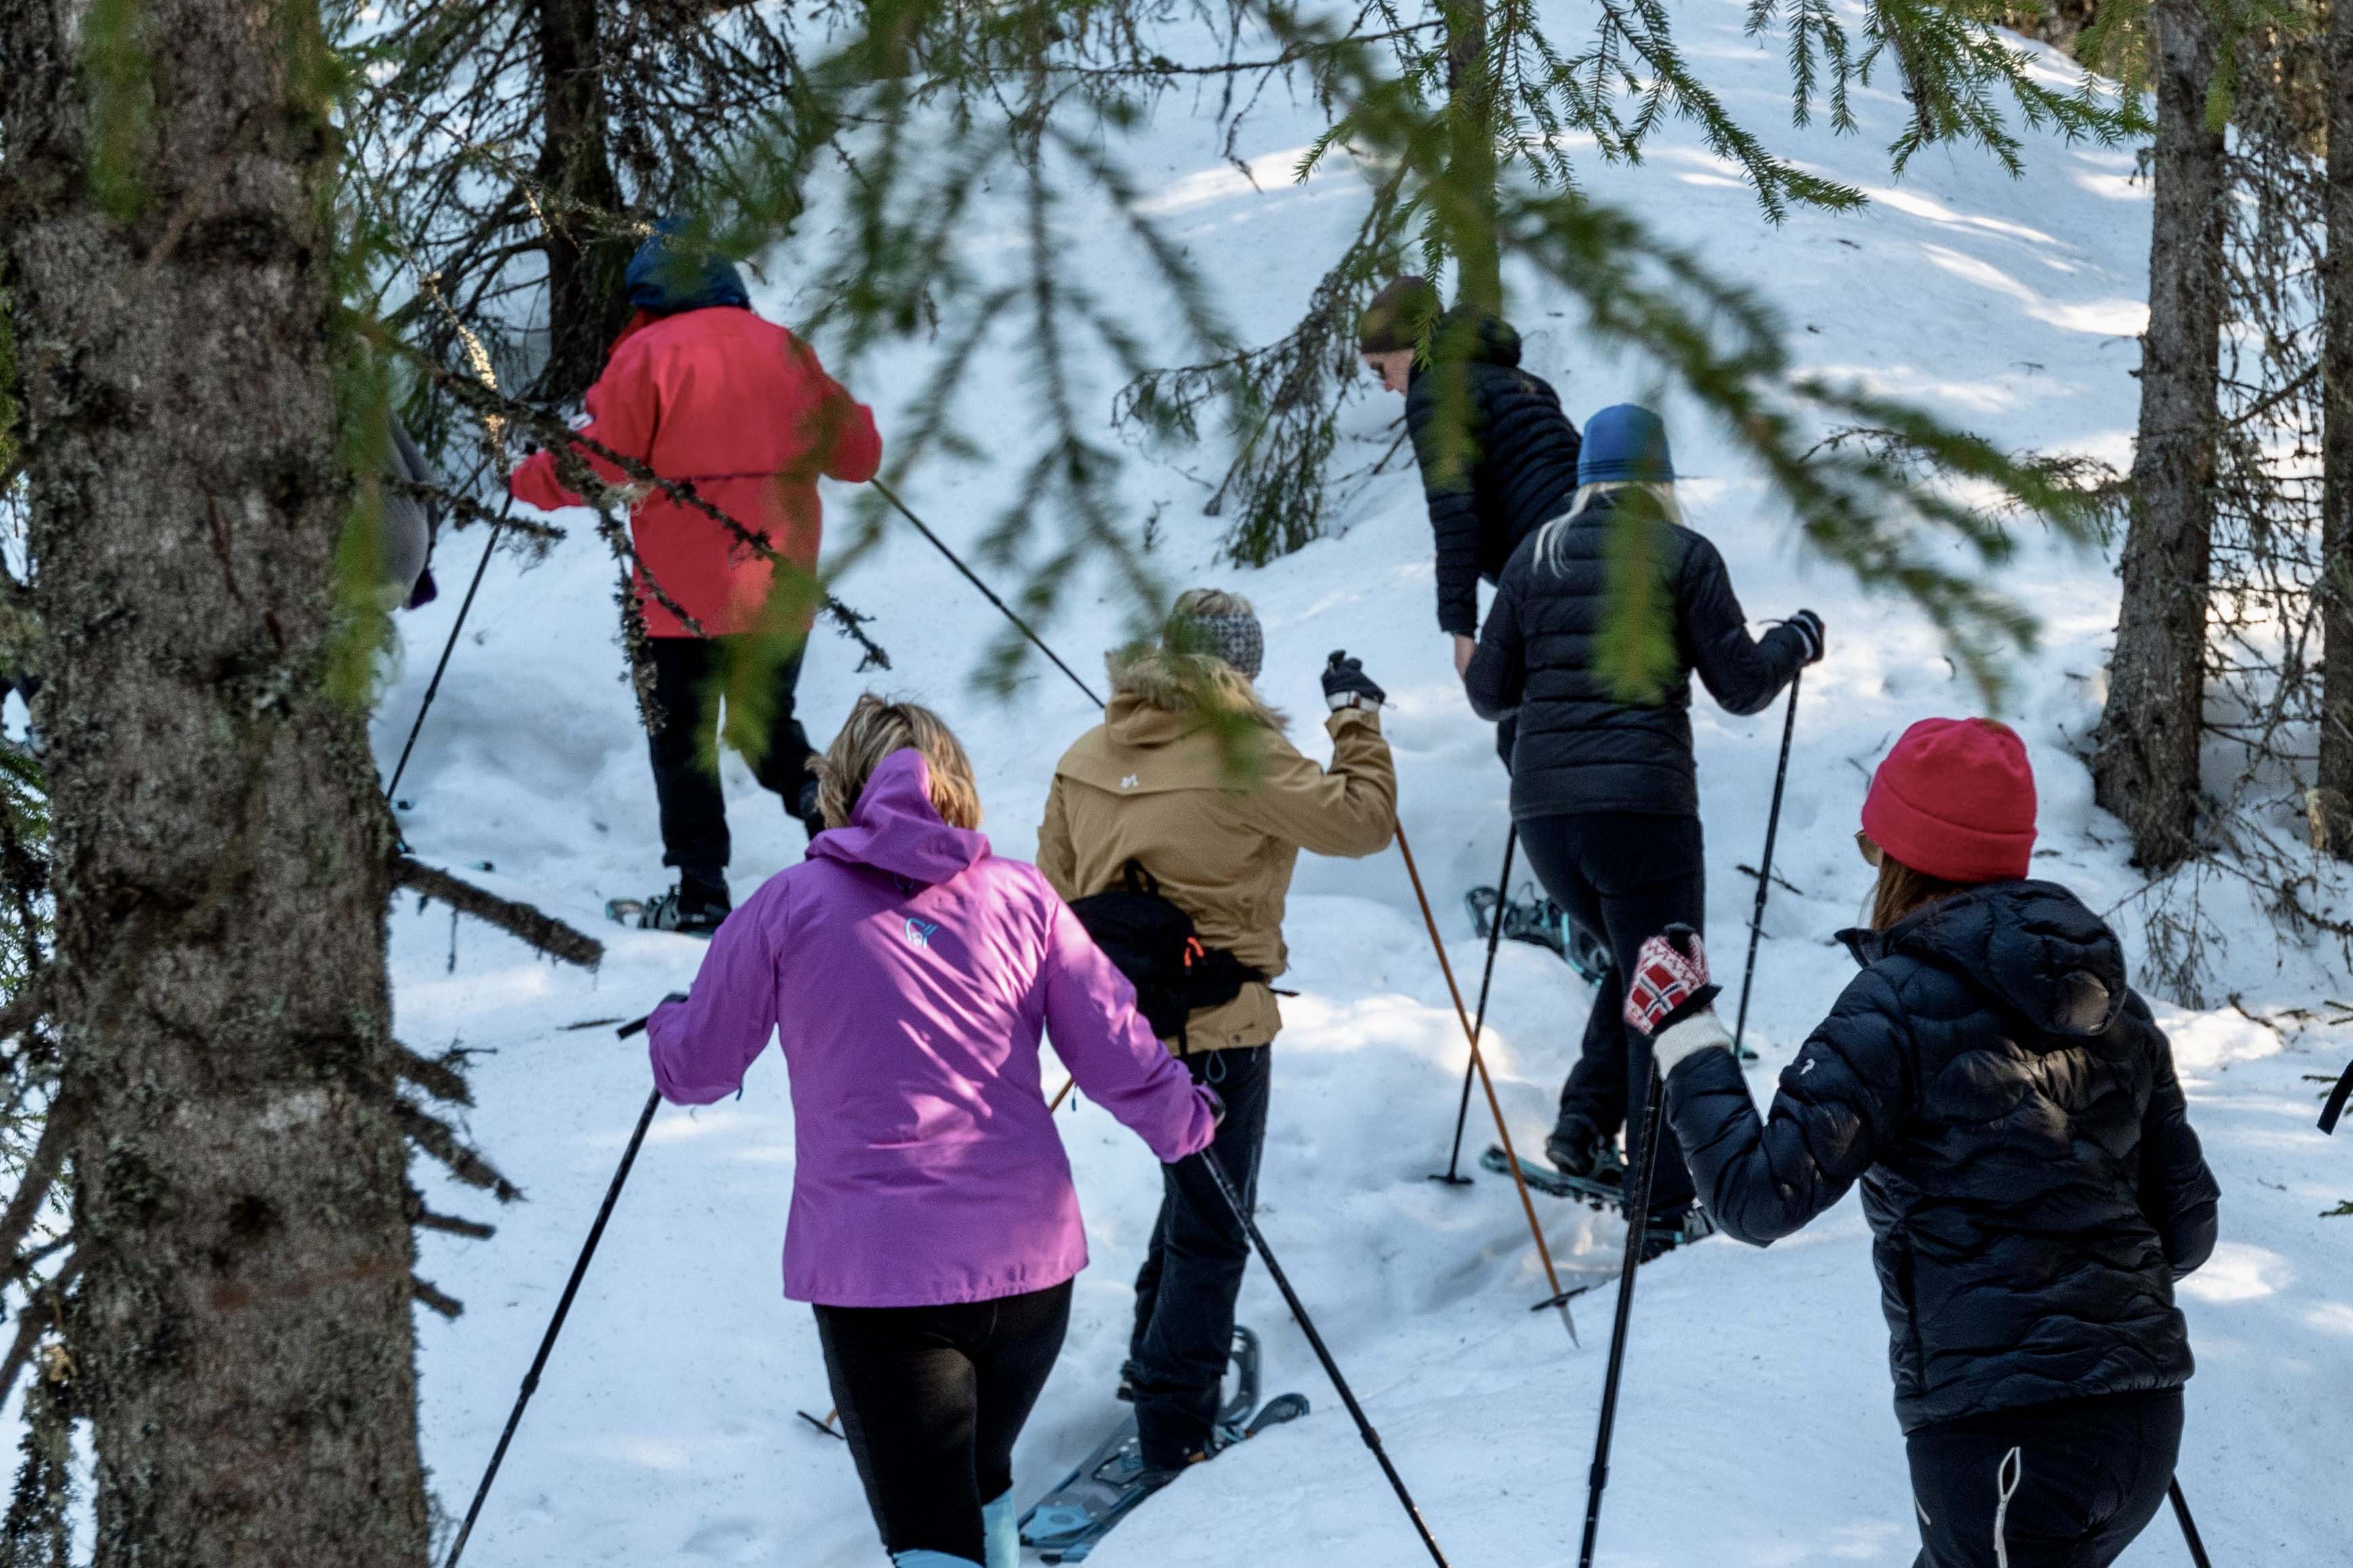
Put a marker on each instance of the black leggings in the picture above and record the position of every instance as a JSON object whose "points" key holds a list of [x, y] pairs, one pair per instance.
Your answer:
{"points": [[932, 1399], [1624, 877], [2063, 1484]]}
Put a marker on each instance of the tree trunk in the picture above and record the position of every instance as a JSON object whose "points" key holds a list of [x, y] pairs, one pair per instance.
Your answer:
{"points": [[2333, 801], [2146, 768], [580, 199], [1470, 160], [241, 1332]]}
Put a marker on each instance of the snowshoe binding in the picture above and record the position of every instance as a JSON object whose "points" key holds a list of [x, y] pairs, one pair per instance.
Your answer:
{"points": [[1534, 919], [687, 909], [1064, 1525], [1661, 1233]]}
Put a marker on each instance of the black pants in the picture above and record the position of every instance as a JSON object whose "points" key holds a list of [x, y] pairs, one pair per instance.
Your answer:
{"points": [[689, 673], [932, 1399], [1625, 876], [2065, 1485], [1193, 1270]]}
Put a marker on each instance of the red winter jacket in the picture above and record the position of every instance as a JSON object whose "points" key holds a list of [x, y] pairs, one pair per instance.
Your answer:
{"points": [[740, 408]]}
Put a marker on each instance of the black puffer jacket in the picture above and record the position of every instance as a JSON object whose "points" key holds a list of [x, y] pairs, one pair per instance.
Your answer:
{"points": [[2027, 1163], [1514, 467], [1581, 747]]}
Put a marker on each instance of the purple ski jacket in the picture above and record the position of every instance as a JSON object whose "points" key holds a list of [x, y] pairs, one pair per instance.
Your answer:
{"points": [[909, 971]]}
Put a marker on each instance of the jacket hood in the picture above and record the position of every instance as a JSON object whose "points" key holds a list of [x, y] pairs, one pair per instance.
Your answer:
{"points": [[896, 829], [665, 278], [2032, 946]]}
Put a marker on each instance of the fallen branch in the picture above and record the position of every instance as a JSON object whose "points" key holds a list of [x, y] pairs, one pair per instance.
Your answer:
{"points": [[542, 931]]}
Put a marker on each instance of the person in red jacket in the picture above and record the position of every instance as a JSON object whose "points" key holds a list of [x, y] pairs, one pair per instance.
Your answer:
{"points": [[700, 389]]}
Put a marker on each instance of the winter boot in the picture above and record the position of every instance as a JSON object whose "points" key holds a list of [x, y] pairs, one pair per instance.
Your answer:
{"points": [[924, 1557], [1000, 1528], [1577, 1148], [691, 909]]}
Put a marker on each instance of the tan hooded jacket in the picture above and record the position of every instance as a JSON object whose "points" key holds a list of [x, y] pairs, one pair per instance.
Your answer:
{"points": [[1159, 787]]}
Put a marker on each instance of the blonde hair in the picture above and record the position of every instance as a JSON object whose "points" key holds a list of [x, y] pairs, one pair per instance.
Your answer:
{"points": [[873, 731], [1172, 675], [1551, 538]]}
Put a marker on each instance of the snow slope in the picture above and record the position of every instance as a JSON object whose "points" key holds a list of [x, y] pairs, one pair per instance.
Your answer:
{"points": [[1755, 1428]]}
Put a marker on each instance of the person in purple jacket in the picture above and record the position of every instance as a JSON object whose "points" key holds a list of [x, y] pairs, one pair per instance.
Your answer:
{"points": [[933, 1224]]}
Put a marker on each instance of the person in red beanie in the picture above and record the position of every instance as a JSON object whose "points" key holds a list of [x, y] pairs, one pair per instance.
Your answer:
{"points": [[701, 389], [2028, 1169]]}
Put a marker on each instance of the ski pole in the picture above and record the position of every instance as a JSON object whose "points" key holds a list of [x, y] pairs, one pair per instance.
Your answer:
{"points": [[1765, 873], [433, 687], [1208, 1158], [886, 493], [2188, 1525], [563, 1307], [1638, 1216], [1479, 1065], [1479, 1020], [2335, 1106]]}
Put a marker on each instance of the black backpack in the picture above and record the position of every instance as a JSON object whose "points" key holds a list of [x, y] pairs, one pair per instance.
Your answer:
{"points": [[1153, 943]]}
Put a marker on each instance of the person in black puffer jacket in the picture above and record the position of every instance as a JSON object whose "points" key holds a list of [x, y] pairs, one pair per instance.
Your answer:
{"points": [[1498, 457], [1605, 791], [2028, 1171]]}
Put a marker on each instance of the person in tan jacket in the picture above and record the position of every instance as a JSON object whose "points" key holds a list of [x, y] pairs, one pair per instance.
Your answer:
{"points": [[1190, 777]]}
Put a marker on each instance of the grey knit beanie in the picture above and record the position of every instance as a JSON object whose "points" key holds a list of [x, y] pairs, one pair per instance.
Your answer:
{"points": [[1220, 624]]}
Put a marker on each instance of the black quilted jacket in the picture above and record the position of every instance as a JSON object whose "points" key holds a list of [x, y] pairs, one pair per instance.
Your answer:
{"points": [[2027, 1163], [1513, 466], [1581, 745]]}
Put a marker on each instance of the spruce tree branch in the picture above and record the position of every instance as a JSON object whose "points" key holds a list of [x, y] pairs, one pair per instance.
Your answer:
{"points": [[526, 924], [38, 1314], [40, 1173], [464, 1162], [24, 1009], [437, 1077], [432, 1296]]}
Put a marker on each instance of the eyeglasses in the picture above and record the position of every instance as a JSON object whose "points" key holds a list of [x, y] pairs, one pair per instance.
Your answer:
{"points": [[1866, 848]]}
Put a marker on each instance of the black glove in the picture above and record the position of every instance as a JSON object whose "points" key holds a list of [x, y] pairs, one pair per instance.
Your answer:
{"points": [[1808, 625], [1346, 684]]}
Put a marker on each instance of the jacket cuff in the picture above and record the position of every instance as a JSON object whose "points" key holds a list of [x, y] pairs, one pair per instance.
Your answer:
{"points": [[1341, 718], [1679, 1041]]}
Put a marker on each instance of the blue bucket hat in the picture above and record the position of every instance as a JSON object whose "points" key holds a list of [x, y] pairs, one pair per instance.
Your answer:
{"points": [[1625, 443], [664, 279]]}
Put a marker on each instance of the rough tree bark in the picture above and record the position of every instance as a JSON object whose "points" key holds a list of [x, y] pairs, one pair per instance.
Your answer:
{"points": [[241, 1332], [2146, 767], [2333, 801], [579, 196]]}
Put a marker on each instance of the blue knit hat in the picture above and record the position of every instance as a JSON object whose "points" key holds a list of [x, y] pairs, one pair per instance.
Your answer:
{"points": [[1624, 443], [664, 279]]}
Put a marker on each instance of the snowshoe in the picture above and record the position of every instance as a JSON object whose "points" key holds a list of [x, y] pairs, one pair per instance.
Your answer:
{"points": [[1534, 919], [1662, 1233], [1544, 1179], [1064, 1525], [683, 910]]}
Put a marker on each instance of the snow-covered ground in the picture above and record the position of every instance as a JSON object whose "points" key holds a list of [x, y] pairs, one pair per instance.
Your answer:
{"points": [[1755, 1428]]}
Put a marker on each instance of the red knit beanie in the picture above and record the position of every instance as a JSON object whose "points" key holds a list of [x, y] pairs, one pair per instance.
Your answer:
{"points": [[1955, 799]]}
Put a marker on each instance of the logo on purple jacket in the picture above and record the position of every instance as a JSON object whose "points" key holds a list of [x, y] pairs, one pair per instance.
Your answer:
{"points": [[918, 932]]}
